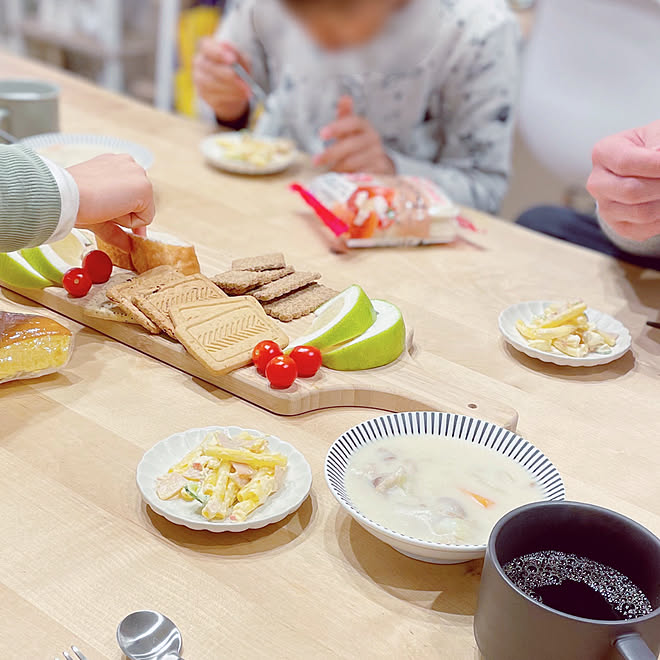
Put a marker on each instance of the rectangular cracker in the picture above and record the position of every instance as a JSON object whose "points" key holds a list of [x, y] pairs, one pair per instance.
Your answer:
{"points": [[146, 283], [299, 303], [262, 262], [238, 282], [97, 305], [283, 286], [191, 289], [222, 333]]}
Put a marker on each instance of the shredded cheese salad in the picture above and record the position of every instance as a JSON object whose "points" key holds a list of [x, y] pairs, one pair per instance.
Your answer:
{"points": [[229, 477]]}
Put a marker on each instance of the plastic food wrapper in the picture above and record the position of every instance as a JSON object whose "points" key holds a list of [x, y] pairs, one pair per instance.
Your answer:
{"points": [[372, 211], [32, 346]]}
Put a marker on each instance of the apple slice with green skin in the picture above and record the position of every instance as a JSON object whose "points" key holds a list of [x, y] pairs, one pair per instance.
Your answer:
{"points": [[15, 271], [343, 318], [52, 260], [381, 344]]}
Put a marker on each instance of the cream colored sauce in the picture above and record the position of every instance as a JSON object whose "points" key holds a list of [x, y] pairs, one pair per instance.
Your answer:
{"points": [[420, 486]]}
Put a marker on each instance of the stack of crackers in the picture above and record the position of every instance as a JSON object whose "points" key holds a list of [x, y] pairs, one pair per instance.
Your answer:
{"points": [[219, 331], [218, 320], [284, 293]]}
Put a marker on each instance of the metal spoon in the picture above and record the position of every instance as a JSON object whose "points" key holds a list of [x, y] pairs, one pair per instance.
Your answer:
{"points": [[148, 635]]}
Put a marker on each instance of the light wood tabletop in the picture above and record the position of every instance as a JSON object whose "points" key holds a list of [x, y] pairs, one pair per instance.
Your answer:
{"points": [[80, 550]]}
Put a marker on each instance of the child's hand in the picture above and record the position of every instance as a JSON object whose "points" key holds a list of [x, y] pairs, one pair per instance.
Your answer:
{"points": [[114, 190], [357, 145], [216, 81], [626, 182]]}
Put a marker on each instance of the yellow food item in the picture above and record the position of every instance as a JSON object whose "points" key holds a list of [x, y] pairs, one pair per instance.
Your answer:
{"points": [[229, 477], [252, 150], [566, 328], [31, 345]]}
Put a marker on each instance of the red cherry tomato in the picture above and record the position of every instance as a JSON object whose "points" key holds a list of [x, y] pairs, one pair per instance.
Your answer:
{"points": [[263, 353], [281, 372], [307, 359], [98, 266], [77, 282]]}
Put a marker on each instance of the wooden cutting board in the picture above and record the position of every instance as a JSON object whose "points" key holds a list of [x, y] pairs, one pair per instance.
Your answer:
{"points": [[401, 386]]}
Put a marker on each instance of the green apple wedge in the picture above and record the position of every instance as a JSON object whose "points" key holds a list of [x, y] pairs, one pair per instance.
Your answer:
{"points": [[341, 319], [15, 271], [381, 344], [54, 259]]}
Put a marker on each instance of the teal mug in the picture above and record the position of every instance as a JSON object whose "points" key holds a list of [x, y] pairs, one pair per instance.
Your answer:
{"points": [[511, 625]]}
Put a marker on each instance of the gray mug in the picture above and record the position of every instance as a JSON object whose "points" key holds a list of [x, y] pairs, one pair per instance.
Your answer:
{"points": [[509, 625], [28, 107]]}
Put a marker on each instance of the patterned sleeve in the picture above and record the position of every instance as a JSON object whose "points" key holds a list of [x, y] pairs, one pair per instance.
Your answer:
{"points": [[240, 28], [30, 199], [475, 121]]}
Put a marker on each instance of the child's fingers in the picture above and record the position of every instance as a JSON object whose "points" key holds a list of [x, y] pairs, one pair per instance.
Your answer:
{"points": [[345, 107], [343, 149], [219, 52], [110, 233], [359, 161], [344, 127]]}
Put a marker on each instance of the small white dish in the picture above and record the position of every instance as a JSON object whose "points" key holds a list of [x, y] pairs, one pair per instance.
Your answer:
{"points": [[66, 149], [526, 311], [442, 425], [214, 153], [160, 458]]}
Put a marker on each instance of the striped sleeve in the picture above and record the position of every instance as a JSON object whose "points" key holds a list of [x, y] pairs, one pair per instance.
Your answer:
{"points": [[30, 199]]}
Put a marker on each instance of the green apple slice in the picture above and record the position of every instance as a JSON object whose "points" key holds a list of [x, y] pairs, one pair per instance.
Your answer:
{"points": [[15, 271], [345, 317], [54, 259], [381, 344]]}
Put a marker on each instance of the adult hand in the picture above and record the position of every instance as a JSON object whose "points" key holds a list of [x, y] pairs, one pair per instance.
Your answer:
{"points": [[626, 182], [357, 146], [114, 191], [216, 81]]}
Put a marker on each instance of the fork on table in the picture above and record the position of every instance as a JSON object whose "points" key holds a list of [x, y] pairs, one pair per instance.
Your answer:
{"points": [[77, 652]]}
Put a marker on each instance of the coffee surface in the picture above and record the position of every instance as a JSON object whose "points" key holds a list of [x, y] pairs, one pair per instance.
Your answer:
{"points": [[578, 586]]}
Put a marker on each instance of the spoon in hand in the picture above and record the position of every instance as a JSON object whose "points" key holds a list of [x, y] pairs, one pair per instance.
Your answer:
{"points": [[148, 635]]}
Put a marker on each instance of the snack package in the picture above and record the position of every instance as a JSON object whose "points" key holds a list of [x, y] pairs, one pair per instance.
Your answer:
{"points": [[32, 346], [373, 211]]}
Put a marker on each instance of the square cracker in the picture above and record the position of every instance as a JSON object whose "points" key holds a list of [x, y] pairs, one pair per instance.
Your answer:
{"points": [[97, 304], [222, 333], [283, 286], [146, 283], [262, 262], [238, 282], [191, 289], [299, 303]]}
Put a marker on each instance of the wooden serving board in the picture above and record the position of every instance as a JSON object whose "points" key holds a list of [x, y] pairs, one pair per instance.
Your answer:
{"points": [[401, 386]]}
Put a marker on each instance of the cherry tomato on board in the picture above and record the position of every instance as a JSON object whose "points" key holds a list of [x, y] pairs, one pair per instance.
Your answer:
{"points": [[307, 359], [281, 372], [98, 266], [77, 282], [263, 353]]}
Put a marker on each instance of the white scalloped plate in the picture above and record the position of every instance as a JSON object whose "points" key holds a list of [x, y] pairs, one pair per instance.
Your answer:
{"points": [[160, 458], [214, 153], [528, 310], [66, 149]]}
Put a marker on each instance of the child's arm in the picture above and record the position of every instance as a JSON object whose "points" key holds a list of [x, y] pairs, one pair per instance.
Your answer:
{"points": [[477, 124], [41, 202]]}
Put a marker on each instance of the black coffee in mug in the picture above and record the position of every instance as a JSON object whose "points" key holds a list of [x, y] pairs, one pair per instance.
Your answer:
{"points": [[578, 586]]}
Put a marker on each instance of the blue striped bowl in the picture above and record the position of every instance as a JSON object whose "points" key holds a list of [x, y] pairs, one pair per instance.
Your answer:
{"points": [[441, 425]]}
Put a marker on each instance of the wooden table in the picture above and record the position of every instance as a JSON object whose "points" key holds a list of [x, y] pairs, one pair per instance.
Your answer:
{"points": [[79, 550]]}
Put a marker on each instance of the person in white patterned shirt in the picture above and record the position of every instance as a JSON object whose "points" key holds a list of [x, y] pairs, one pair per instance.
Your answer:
{"points": [[415, 87]]}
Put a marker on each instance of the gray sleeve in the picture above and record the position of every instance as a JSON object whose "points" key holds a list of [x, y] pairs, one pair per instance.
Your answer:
{"points": [[476, 122], [30, 202], [647, 248]]}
